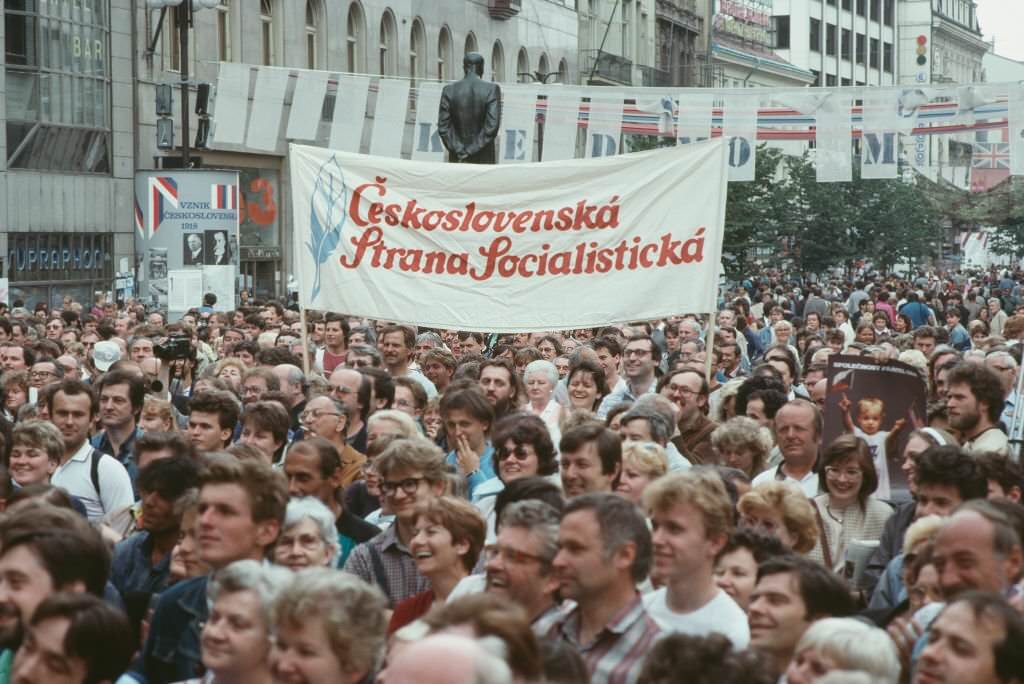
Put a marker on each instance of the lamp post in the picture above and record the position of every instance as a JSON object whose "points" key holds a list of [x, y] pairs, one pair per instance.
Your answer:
{"points": [[183, 10]]}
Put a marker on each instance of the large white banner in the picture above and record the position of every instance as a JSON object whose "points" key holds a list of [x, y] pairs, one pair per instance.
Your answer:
{"points": [[510, 247]]}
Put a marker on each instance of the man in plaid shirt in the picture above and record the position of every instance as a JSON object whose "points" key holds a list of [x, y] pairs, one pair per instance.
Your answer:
{"points": [[411, 471], [604, 551]]}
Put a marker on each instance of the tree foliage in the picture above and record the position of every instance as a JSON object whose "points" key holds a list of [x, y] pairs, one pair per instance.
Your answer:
{"points": [[786, 219]]}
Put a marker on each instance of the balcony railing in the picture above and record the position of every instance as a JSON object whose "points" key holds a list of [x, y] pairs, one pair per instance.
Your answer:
{"points": [[608, 68]]}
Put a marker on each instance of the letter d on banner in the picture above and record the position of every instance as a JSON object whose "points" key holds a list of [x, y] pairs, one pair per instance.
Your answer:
{"points": [[739, 125]]}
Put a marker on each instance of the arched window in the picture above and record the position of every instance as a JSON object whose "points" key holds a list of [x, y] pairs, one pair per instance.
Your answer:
{"points": [[544, 67], [444, 54], [563, 71], [356, 38], [523, 74], [497, 62], [470, 43], [387, 46], [268, 54], [418, 51], [312, 30]]}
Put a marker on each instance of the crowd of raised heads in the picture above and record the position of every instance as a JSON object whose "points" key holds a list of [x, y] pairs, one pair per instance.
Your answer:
{"points": [[264, 495]]}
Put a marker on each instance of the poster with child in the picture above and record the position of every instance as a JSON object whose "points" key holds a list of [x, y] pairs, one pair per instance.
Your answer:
{"points": [[881, 402]]}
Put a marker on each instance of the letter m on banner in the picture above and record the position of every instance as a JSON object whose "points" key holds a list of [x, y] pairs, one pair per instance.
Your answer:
{"points": [[878, 155], [161, 189]]}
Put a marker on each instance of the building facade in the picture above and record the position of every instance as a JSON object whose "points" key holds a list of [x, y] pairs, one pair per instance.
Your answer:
{"points": [[743, 48], [617, 44], [940, 43], [66, 147], [841, 42], [521, 40]]}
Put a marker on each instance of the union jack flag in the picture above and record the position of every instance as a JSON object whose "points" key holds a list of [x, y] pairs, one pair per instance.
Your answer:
{"points": [[991, 155]]}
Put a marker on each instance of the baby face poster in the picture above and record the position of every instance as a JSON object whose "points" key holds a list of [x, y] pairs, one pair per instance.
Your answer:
{"points": [[881, 402]]}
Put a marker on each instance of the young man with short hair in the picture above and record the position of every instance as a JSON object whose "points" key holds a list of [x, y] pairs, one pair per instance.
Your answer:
{"points": [[45, 550], [468, 417], [591, 459], [74, 639], [501, 385], [98, 480], [692, 517], [976, 639], [332, 354], [791, 593], [241, 510], [641, 357], [396, 345], [411, 471], [213, 415], [121, 395], [604, 552]]}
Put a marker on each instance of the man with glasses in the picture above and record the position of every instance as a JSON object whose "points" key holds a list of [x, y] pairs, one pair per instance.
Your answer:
{"points": [[292, 382], [54, 329], [44, 371], [688, 390], [327, 418], [347, 387], [519, 562], [411, 471], [641, 357]]}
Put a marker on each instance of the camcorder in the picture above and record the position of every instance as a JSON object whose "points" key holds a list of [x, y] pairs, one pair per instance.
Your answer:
{"points": [[173, 348]]}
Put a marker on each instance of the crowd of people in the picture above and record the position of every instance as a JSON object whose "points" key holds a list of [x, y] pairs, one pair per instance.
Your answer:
{"points": [[260, 495]]}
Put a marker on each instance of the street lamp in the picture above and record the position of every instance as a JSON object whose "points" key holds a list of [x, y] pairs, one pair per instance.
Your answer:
{"points": [[183, 12]]}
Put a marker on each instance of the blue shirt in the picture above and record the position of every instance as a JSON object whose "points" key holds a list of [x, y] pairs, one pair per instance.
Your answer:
{"points": [[131, 571], [483, 473]]}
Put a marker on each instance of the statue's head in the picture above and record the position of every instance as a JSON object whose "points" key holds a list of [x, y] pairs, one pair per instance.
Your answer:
{"points": [[473, 61]]}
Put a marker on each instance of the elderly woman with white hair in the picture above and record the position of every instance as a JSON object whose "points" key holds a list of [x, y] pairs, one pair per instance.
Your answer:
{"points": [[308, 537], [832, 644], [235, 639], [540, 378]]}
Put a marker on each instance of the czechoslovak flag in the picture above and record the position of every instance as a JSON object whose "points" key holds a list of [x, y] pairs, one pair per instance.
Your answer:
{"points": [[223, 196]]}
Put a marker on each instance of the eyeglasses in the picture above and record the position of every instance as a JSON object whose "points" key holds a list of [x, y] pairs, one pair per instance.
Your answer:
{"points": [[849, 473], [343, 391], [640, 353], [315, 414], [409, 485], [511, 555], [39, 375], [310, 542]]}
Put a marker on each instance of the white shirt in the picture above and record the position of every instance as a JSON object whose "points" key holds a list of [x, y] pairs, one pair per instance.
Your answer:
{"points": [[809, 483], [115, 484], [721, 614]]}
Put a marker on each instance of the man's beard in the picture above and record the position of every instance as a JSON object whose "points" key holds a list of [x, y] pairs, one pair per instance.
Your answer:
{"points": [[11, 631]]}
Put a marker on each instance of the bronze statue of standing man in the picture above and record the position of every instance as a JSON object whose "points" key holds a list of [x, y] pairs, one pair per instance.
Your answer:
{"points": [[470, 115]]}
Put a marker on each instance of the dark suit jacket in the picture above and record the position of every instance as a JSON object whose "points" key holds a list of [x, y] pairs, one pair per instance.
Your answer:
{"points": [[189, 261], [468, 119]]}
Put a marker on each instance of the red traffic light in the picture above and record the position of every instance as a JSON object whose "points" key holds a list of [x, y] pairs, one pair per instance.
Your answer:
{"points": [[922, 39]]}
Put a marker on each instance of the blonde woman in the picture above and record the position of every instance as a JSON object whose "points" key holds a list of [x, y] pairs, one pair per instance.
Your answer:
{"points": [[642, 464], [781, 510], [158, 416]]}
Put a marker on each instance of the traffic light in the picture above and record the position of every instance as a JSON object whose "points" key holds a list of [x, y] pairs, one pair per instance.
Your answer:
{"points": [[922, 49]]}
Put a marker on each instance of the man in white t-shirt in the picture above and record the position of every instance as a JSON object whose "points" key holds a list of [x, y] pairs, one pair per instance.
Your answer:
{"points": [[99, 480], [692, 517]]}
